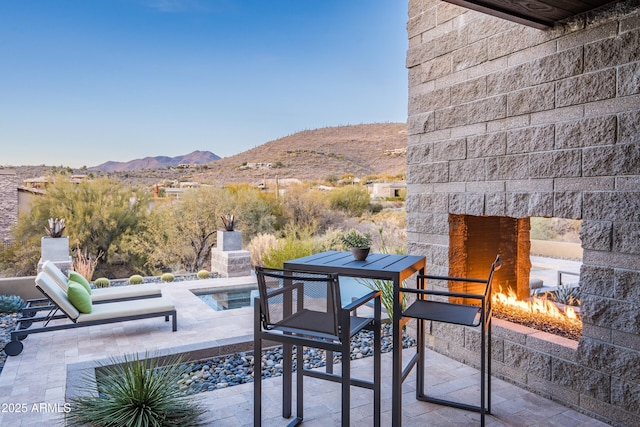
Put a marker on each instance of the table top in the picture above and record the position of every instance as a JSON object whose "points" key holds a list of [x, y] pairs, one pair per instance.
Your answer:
{"points": [[378, 266]]}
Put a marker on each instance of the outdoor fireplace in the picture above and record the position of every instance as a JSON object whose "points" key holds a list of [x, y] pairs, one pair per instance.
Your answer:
{"points": [[474, 242], [507, 123]]}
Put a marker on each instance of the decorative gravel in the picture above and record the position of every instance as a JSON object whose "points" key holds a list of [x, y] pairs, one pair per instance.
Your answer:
{"points": [[227, 371], [7, 324]]}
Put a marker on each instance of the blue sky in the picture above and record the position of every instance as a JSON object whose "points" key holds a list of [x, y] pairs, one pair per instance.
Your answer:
{"points": [[86, 81]]}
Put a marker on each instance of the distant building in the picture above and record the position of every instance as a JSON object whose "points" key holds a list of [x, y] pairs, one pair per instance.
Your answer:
{"points": [[384, 190]]}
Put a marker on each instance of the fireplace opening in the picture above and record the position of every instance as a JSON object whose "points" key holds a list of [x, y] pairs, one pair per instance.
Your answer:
{"points": [[538, 255]]}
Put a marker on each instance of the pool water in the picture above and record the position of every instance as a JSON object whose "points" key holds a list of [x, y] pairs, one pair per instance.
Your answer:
{"points": [[229, 298]]}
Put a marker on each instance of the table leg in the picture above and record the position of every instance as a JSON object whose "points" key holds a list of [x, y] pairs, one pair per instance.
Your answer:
{"points": [[396, 387]]}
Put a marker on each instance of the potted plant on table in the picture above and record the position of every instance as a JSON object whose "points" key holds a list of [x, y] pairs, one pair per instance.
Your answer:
{"points": [[359, 243]]}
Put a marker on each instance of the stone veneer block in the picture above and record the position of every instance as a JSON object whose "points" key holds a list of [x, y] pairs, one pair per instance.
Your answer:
{"points": [[596, 235], [229, 240], [586, 88], [55, 249], [231, 263]]}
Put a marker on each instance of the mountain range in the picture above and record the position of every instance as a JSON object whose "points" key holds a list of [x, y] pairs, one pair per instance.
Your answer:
{"points": [[158, 162], [310, 155]]}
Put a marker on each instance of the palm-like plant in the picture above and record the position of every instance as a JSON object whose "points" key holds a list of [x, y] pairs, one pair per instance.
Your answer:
{"points": [[136, 392], [384, 286]]}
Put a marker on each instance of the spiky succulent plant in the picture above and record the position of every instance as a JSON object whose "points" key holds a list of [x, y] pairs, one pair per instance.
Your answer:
{"points": [[11, 303], [55, 227]]}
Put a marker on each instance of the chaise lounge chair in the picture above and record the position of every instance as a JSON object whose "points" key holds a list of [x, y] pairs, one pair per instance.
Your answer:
{"points": [[110, 312], [119, 293]]}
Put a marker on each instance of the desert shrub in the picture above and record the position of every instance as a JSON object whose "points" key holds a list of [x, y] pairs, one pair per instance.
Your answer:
{"points": [[203, 274], [84, 263], [11, 303], [136, 279], [259, 246], [555, 229], [102, 282], [305, 207], [353, 200], [296, 243], [375, 208], [135, 392], [167, 277]]}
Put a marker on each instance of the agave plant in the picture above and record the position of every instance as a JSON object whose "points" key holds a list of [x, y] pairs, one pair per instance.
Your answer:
{"points": [[137, 392], [566, 294], [229, 222], [55, 227], [11, 303]]}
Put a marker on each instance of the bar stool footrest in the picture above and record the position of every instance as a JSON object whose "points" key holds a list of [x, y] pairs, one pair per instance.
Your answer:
{"points": [[424, 398]]}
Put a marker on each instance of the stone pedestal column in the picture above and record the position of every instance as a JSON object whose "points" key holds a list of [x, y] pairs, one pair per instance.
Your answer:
{"points": [[56, 250], [228, 259]]}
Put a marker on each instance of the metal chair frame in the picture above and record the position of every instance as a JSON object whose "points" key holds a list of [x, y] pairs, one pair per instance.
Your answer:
{"points": [[471, 315], [288, 334]]}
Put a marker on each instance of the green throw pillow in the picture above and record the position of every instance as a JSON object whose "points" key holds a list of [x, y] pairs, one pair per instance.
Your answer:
{"points": [[79, 278], [79, 297]]}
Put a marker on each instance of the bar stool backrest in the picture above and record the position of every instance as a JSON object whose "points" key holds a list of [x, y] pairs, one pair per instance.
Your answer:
{"points": [[300, 302]]}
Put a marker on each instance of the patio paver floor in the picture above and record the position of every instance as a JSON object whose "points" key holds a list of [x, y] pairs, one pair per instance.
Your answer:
{"points": [[39, 376]]}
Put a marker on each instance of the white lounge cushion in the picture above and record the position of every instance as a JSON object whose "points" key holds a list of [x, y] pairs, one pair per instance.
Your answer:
{"points": [[127, 291], [56, 294], [105, 294], [115, 310], [56, 274]]}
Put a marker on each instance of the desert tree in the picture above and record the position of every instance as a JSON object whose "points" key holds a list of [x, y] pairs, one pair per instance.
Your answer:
{"points": [[97, 214]]}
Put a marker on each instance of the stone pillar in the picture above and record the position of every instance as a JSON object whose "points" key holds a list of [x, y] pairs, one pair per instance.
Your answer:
{"points": [[56, 250], [9, 207], [228, 259]]}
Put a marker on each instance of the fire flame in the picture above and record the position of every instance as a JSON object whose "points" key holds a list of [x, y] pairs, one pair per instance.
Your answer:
{"points": [[535, 305]]}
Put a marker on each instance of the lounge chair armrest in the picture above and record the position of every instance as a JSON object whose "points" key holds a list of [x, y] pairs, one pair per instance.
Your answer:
{"points": [[362, 300]]}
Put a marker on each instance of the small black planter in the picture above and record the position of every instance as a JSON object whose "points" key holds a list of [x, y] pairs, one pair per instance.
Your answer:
{"points": [[360, 254]]}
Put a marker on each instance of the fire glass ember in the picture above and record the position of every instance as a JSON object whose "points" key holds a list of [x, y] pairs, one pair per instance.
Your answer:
{"points": [[537, 313]]}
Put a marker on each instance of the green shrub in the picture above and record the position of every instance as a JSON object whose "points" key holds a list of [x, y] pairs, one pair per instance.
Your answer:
{"points": [[136, 279], [11, 303], [102, 282], [203, 274], [290, 247], [352, 200], [134, 392], [167, 277]]}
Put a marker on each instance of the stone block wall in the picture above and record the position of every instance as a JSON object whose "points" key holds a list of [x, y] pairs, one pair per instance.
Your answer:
{"points": [[9, 207], [511, 121]]}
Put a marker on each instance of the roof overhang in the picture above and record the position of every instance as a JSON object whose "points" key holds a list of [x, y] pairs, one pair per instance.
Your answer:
{"points": [[541, 14]]}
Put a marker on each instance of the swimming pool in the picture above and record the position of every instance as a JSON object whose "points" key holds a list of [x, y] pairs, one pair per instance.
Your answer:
{"points": [[227, 298]]}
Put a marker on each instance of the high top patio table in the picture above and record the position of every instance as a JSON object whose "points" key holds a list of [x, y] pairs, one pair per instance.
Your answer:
{"points": [[395, 268]]}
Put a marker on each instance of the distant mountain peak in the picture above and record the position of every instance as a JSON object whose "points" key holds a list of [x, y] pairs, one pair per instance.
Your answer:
{"points": [[158, 162]]}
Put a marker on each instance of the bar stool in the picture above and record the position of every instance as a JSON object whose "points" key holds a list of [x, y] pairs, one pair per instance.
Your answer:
{"points": [[460, 308], [304, 309]]}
